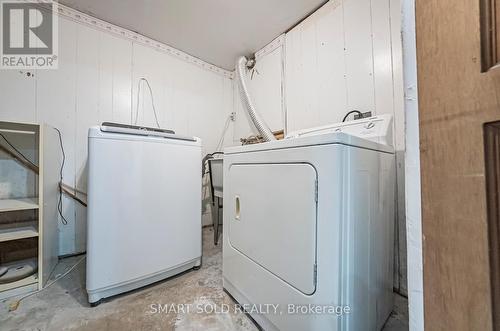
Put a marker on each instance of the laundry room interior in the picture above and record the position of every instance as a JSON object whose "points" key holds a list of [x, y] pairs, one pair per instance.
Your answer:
{"points": [[249, 165]]}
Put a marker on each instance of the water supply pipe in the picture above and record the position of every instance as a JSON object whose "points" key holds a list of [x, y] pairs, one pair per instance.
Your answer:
{"points": [[241, 67]]}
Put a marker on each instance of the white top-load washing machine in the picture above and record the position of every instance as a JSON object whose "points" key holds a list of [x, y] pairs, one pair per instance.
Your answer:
{"points": [[308, 227], [144, 208]]}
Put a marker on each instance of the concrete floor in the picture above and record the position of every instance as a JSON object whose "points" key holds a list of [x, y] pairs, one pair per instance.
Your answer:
{"points": [[64, 306]]}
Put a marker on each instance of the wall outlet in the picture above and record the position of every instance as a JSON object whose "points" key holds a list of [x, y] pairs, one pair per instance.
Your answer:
{"points": [[365, 115]]}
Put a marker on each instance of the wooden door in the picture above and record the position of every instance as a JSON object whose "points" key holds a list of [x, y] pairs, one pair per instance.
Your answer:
{"points": [[455, 99]]}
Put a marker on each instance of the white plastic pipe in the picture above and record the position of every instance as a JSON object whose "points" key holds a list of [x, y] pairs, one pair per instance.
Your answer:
{"points": [[260, 125]]}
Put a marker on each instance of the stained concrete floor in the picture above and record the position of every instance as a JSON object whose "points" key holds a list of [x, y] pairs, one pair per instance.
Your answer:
{"points": [[64, 306]]}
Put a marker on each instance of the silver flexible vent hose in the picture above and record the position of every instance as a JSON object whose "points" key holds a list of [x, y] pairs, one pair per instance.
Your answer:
{"points": [[241, 67]]}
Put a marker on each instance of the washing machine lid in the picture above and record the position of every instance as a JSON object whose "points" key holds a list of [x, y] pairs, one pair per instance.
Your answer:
{"points": [[125, 133], [118, 127], [371, 133]]}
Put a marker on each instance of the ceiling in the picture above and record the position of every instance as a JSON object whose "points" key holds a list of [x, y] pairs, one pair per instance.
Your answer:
{"points": [[216, 31]]}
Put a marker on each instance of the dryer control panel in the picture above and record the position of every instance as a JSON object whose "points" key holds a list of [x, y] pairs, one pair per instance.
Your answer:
{"points": [[376, 128]]}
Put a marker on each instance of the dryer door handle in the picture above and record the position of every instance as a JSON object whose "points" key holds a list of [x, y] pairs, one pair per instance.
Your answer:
{"points": [[237, 208]]}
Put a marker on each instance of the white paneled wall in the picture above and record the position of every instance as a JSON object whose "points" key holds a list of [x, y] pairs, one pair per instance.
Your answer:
{"points": [[345, 56], [97, 81], [340, 59], [316, 85]]}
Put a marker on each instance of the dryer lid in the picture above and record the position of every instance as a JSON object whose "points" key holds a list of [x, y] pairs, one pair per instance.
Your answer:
{"points": [[372, 133]]}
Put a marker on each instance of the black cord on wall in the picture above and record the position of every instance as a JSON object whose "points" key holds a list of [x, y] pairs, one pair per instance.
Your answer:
{"points": [[59, 203], [352, 112]]}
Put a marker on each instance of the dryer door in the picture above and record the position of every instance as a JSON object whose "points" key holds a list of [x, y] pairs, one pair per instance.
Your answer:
{"points": [[272, 219]]}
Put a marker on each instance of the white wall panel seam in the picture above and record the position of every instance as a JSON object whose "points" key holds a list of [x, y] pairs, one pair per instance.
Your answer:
{"points": [[345, 57], [99, 73], [283, 87], [393, 77], [113, 85], [316, 55], [73, 137], [132, 66], [35, 96], [375, 110]]}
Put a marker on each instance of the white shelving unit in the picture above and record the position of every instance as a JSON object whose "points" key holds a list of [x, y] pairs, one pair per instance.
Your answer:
{"points": [[18, 233], [30, 183], [18, 204], [22, 286]]}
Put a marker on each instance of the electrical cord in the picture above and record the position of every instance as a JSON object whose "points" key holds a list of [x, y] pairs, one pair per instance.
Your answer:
{"points": [[217, 149], [221, 140], [152, 101], [17, 151], [352, 112], [206, 159], [59, 203]]}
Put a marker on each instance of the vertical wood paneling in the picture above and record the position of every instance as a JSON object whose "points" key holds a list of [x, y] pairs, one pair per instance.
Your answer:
{"points": [[207, 119], [107, 45], [55, 95], [18, 96], [122, 54], [396, 18], [228, 97], [331, 62], [301, 58], [87, 98], [359, 55], [315, 69], [382, 56], [87, 115], [181, 98]]}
